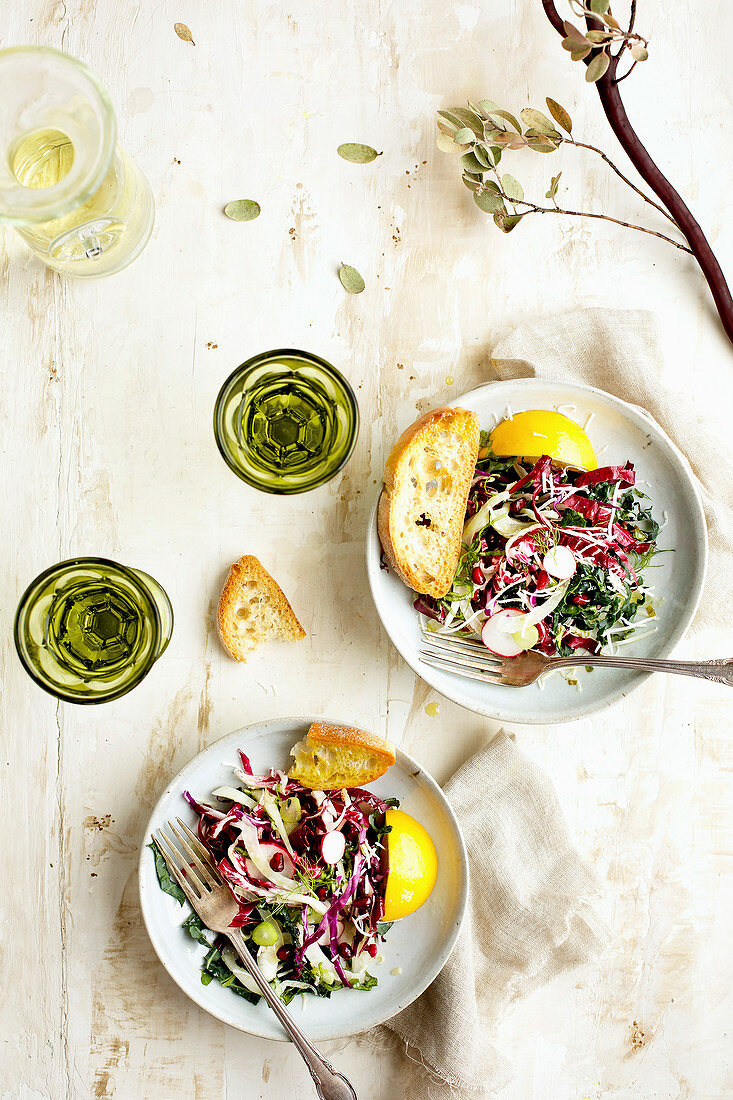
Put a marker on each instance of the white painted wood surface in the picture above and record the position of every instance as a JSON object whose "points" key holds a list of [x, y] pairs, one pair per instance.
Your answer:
{"points": [[107, 448]]}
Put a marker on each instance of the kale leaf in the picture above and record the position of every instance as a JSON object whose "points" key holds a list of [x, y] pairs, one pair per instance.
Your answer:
{"points": [[168, 884]]}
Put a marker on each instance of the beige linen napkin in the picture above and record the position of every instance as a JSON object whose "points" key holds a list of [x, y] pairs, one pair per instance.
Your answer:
{"points": [[528, 919], [618, 350]]}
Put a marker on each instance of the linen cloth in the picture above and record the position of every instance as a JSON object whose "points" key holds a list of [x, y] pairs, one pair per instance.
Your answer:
{"points": [[619, 350], [529, 918]]}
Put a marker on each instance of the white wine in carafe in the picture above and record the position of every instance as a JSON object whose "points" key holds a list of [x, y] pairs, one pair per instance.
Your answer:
{"points": [[70, 191]]}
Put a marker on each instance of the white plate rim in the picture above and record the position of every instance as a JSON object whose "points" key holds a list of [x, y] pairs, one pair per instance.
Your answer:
{"points": [[635, 680], [406, 762]]}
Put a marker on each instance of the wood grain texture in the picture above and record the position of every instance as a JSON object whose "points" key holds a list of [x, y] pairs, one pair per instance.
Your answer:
{"points": [[107, 396]]}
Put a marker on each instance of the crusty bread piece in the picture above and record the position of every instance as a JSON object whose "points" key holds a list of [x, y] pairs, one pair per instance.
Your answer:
{"points": [[330, 758], [423, 504], [253, 608]]}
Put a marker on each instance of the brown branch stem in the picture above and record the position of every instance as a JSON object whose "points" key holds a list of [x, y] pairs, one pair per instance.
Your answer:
{"points": [[533, 208], [627, 73], [610, 96], [619, 173]]}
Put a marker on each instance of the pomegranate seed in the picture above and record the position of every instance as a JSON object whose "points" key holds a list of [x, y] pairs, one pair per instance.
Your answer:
{"points": [[477, 575], [581, 601], [278, 861], [283, 953], [345, 950], [322, 892], [372, 949]]}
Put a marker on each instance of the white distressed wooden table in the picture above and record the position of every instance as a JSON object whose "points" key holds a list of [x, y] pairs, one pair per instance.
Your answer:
{"points": [[107, 448]]}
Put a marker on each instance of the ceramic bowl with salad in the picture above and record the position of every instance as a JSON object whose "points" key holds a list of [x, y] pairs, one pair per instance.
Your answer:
{"points": [[350, 896], [583, 532]]}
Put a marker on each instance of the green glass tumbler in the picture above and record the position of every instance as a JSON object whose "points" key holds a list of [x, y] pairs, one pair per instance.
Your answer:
{"points": [[88, 630], [286, 421]]}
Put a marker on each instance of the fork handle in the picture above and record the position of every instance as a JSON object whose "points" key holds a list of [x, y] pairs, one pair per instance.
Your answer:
{"points": [[330, 1085], [720, 670]]}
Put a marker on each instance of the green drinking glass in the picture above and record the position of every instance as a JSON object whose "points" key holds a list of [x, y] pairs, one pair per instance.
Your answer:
{"points": [[89, 630], [286, 421]]}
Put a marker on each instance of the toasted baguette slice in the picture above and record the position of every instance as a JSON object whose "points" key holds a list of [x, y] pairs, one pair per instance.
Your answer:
{"points": [[423, 503], [253, 608], [332, 757]]}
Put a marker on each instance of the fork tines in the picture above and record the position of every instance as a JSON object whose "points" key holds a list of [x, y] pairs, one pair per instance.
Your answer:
{"points": [[464, 655], [187, 859]]}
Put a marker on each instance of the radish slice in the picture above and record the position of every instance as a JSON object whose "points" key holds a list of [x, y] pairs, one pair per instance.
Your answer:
{"points": [[559, 562], [508, 634], [333, 846]]}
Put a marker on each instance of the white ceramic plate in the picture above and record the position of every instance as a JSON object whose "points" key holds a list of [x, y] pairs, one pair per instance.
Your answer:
{"points": [[418, 945], [618, 432]]}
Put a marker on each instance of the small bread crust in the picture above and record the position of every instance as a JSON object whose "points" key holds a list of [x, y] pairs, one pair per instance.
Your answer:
{"points": [[422, 508], [320, 733], [253, 608], [339, 757]]}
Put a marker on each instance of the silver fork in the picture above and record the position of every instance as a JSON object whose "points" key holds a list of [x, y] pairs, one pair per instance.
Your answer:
{"points": [[210, 897], [471, 658]]}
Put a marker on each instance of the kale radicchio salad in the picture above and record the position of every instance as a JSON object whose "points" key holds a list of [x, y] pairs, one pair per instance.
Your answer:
{"points": [[552, 558], [308, 869]]}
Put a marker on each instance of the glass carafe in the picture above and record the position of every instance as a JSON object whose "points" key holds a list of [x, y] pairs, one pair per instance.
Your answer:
{"points": [[72, 194]]}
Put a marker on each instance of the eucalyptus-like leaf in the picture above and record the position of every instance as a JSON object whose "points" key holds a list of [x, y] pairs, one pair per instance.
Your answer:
{"points": [[447, 144], [471, 182], [507, 222], [507, 118], [487, 106], [491, 132], [489, 202], [597, 67], [477, 108], [512, 187], [639, 52], [540, 143], [596, 37], [242, 210], [446, 127], [451, 119], [183, 33], [469, 118], [471, 164], [611, 22], [553, 186], [560, 115], [599, 7], [572, 32], [509, 140], [581, 53], [356, 153], [351, 280], [535, 120], [483, 156], [464, 136]]}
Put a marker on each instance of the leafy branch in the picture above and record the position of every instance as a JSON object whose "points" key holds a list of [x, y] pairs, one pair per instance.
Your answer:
{"points": [[483, 132], [602, 64], [603, 32]]}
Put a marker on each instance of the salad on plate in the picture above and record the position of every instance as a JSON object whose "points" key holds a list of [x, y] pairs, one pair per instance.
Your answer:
{"points": [[319, 866], [554, 547]]}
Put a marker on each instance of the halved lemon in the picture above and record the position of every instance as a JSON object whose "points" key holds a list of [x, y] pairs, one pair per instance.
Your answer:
{"points": [[412, 862], [538, 432]]}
